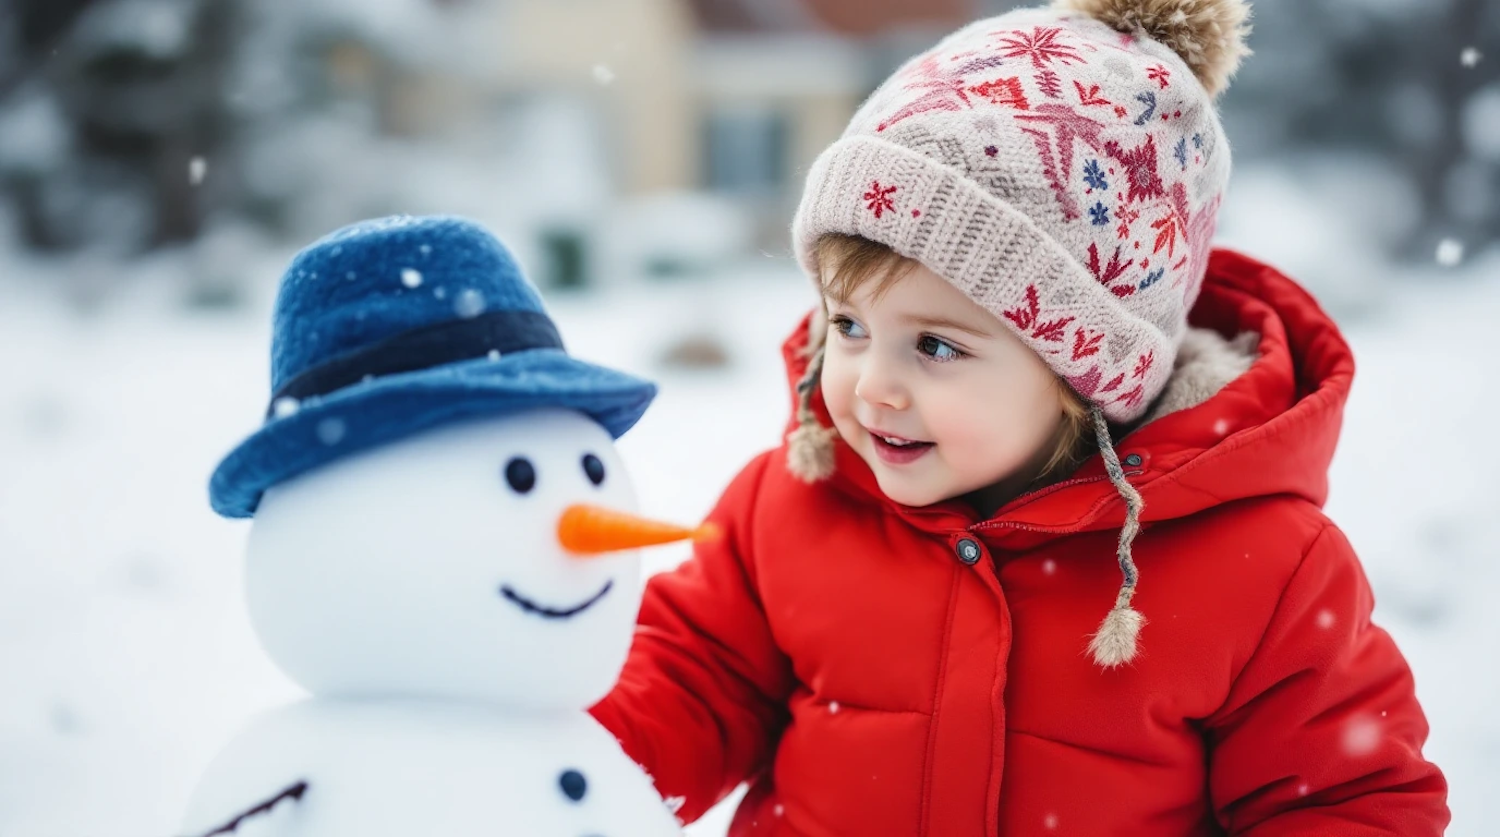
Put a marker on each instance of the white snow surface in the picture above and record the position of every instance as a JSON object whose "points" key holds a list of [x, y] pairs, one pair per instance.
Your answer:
{"points": [[127, 653]]}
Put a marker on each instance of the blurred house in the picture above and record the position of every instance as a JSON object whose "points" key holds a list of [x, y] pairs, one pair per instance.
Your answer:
{"points": [[776, 81], [700, 114]]}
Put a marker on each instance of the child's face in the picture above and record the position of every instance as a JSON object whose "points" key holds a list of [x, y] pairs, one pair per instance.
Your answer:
{"points": [[965, 402]]}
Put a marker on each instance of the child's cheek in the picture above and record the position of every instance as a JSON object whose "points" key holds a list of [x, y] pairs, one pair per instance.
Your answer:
{"points": [[979, 430], [837, 384]]}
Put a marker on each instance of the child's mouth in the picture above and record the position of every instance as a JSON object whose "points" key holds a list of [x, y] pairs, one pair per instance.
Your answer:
{"points": [[897, 450]]}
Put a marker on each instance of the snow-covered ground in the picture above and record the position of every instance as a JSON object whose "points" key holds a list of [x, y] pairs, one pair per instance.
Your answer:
{"points": [[126, 658]]}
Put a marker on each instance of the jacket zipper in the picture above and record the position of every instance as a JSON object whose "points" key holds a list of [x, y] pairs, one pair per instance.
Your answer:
{"points": [[986, 525]]}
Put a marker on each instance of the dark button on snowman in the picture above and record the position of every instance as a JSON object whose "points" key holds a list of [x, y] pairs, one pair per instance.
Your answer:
{"points": [[442, 554]]}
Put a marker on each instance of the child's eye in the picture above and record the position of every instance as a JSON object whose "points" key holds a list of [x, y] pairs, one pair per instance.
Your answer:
{"points": [[938, 350], [847, 327]]}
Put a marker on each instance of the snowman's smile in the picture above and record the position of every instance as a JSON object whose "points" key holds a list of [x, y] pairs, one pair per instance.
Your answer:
{"points": [[531, 606]]}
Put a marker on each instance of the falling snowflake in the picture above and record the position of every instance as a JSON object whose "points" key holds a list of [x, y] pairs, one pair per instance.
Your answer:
{"points": [[603, 74], [833, 707], [411, 278], [285, 406], [1470, 57], [331, 431], [779, 809], [1325, 619], [1041, 46], [469, 304], [1050, 822], [494, 354], [1221, 427], [1302, 789], [1049, 567], [197, 169], [878, 199], [1450, 252], [1361, 736]]}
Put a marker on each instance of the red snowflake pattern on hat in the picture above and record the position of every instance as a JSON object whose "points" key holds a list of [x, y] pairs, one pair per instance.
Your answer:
{"points": [[1002, 91], [944, 90], [1029, 319], [1041, 45], [1140, 169], [879, 199]]}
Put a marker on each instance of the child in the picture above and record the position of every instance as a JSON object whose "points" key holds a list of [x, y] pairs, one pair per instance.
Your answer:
{"points": [[1033, 379]]}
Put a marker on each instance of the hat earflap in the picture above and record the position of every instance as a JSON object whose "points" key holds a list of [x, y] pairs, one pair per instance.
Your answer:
{"points": [[809, 454], [1118, 638]]}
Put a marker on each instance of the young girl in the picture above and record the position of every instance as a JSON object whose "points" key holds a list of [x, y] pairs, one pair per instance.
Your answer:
{"points": [[1044, 551]]}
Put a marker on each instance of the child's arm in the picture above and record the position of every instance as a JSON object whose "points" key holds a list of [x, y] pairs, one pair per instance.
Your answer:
{"points": [[1322, 733], [702, 698]]}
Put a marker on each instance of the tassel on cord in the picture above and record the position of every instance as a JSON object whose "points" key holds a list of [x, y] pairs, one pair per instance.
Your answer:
{"points": [[810, 447], [1117, 640]]}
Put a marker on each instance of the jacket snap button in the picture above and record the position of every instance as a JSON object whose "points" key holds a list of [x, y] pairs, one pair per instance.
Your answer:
{"points": [[1133, 461], [968, 551]]}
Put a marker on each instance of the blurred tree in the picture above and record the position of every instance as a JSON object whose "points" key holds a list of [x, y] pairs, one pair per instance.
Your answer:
{"points": [[1384, 79], [105, 104]]}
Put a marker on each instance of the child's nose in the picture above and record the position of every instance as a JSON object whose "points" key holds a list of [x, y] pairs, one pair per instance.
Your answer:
{"points": [[880, 386]]}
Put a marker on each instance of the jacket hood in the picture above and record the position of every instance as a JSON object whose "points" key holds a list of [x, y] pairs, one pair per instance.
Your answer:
{"points": [[1253, 409]]}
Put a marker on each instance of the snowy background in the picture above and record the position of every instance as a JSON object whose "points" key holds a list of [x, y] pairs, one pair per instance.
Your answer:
{"points": [[160, 160]]}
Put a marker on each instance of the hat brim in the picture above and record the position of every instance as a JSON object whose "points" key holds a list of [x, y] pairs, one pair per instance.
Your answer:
{"points": [[390, 408]]}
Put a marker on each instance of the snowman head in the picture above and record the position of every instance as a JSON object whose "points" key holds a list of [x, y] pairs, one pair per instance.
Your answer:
{"points": [[433, 567]]}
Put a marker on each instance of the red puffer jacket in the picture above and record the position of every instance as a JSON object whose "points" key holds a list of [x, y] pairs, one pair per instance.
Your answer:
{"points": [[836, 650]]}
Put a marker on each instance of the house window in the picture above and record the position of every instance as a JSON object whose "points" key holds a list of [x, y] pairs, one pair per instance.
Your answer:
{"points": [[746, 150]]}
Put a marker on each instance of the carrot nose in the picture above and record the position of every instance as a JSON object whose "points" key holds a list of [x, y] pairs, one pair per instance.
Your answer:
{"points": [[593, 530]]}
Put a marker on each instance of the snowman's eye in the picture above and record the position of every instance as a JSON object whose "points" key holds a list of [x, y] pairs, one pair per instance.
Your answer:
{"points": [[521, 474], [594, 468]]}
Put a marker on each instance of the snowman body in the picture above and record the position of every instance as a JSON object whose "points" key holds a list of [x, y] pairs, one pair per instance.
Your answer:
{"points": [[420, 593], [412, 767]]}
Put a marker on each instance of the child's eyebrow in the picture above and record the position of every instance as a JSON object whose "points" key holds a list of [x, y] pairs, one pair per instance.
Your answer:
{"points": [[942, 322]]}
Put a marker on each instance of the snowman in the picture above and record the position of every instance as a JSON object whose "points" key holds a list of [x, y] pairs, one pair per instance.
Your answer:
{"points": [[442, 555]]}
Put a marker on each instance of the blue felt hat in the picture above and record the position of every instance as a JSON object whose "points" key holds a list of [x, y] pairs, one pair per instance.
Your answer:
{"points": [[389, 327]]}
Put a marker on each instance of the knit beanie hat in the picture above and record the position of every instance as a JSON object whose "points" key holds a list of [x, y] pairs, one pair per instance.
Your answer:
{"points": [[1063, 167]]}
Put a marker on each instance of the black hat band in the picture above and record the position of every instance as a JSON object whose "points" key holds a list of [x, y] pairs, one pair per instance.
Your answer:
{"points": [[432, 345]]}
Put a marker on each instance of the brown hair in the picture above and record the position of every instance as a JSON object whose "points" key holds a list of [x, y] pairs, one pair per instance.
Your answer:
{"points": [[846, 262]]}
